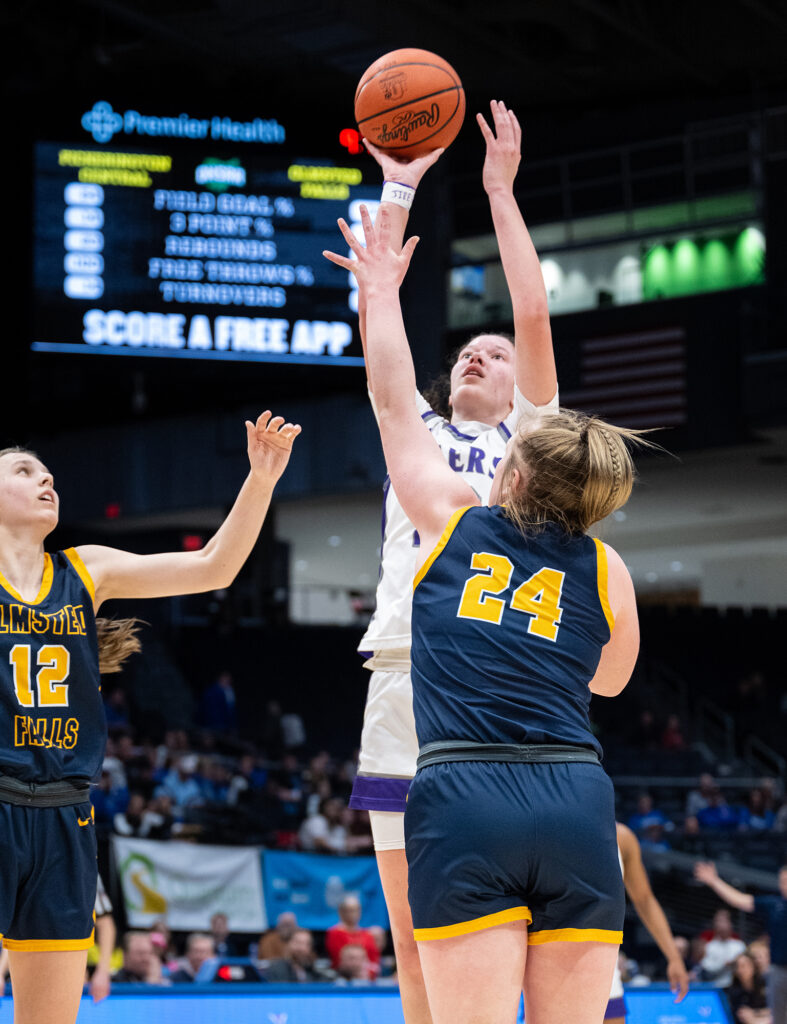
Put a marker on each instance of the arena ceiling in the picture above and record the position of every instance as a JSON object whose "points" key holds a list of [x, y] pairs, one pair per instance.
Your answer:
{"points": [[562, 57]]}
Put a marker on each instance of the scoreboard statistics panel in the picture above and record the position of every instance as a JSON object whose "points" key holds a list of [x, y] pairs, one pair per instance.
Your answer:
{"points": [[175, 250]]}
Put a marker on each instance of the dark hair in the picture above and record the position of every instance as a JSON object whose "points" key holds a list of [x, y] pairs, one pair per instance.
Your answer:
{"points": [[438, 391]]}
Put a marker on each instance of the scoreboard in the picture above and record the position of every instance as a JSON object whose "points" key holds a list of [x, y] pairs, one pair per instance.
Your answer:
{"points": [[203, 244]]}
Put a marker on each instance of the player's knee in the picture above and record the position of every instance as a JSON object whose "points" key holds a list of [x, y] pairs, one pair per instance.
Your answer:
{"points": [[407, 960]]}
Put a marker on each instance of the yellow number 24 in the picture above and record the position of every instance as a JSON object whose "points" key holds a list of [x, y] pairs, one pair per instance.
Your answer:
{"points": [[538, 596]]}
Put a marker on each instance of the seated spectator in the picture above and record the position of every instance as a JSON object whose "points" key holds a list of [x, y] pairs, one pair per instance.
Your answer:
{"points": [[113, 763], [700, 798], [630, 973], [747, 993], [108, 799], [348, 931], [138, 819], [140, 963], [653, 839], [647, 815], [324, 831], [755, 815], [116, 708], [181, 785], [161, 806], [721, 951], [760, 952], [163, 943], [289, 781], [273, 944], [387, 963], [293, 731], [672, 737], [217, 710], [718, 816], [691, 827], [247, 778], [297, 964], [215, 780], [224, 943], [321, 790], [645, 735], [199, 949], [696, 954], [359, 832], [353, 967]]}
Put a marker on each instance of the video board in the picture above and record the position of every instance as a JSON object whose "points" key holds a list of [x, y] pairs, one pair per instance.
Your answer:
{"points": [[202, 240]]}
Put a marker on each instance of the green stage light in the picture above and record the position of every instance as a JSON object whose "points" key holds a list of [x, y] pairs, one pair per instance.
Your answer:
{"points": [[717, 270], [686, 268], [657, 274], [749, 255]]}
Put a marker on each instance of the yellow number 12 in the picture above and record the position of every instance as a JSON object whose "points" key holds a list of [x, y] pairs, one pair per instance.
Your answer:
{"points": [[54, 663]]}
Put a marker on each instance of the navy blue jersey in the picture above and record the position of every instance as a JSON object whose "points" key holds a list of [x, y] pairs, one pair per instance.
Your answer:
{"points": [[52, 723], [507, 633]]}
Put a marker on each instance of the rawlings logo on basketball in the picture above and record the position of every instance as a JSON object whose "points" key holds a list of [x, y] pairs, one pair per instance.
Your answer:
{"points": [[406, 122], [393, 86]]}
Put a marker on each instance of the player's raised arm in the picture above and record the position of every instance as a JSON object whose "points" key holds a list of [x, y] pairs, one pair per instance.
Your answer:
{"points": [[536, 376], [401, 178], [428, 489], [121, 574]]}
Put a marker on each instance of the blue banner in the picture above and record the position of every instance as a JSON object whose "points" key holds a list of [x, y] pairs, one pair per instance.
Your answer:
{"points": [[243, 1004], [312, 885]]}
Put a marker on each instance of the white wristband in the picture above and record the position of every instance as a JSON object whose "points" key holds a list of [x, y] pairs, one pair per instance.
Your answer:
{"points": [[396, 192]]}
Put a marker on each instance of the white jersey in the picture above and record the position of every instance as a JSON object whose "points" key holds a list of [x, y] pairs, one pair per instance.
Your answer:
{"points": [[471, 449]]}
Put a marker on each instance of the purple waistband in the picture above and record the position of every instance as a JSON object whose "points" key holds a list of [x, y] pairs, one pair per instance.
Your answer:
{"points": [[371, 793], [615, 1008]]}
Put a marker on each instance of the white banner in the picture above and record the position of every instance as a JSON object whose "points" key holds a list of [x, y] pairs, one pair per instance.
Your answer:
{"points": [[187, 883]]}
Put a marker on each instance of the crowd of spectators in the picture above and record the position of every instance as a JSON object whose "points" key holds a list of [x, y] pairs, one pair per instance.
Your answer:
{"points": [[347, 954], [710, 809], [717, 956], [207, 784]]}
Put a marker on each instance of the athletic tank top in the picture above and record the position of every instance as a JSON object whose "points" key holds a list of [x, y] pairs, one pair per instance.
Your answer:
{"points": [[507, 633], [52, 723]]}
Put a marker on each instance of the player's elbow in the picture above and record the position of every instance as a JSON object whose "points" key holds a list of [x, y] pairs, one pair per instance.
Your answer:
{"points": [[214, 572], [610, 684]]}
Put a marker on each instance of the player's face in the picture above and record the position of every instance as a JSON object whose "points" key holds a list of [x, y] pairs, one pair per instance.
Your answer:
{"points": [[27, 493], [482, 380]]}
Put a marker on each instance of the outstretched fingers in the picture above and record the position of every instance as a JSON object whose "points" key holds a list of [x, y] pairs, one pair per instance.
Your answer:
{"points": [[348, 236], [341, 261], [409, 248], [486, 131], [269, 425]]}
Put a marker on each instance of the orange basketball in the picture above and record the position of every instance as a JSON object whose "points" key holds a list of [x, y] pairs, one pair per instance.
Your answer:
{"points": [[410, 102]]}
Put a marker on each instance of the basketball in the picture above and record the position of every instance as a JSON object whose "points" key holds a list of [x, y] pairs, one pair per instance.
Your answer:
{"points": [[410, 102]]}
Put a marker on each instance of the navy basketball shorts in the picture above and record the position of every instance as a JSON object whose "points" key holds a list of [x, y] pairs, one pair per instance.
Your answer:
{"points": [[490, 842], [48, 877]]}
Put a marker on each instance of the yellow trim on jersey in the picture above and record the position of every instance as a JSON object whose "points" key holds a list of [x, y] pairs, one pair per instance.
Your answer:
{"points": [[476, 925], [575, 935], [446, 536], [601, 563], [49, 945], [81, 571], [46, 583]]}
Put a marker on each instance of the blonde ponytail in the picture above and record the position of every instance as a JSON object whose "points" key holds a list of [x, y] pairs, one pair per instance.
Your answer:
{"points": [[574, 470], [117, 640]]}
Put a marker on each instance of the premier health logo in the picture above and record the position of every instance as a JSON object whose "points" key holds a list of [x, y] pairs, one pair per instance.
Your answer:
{"points": [[102, 121]]}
